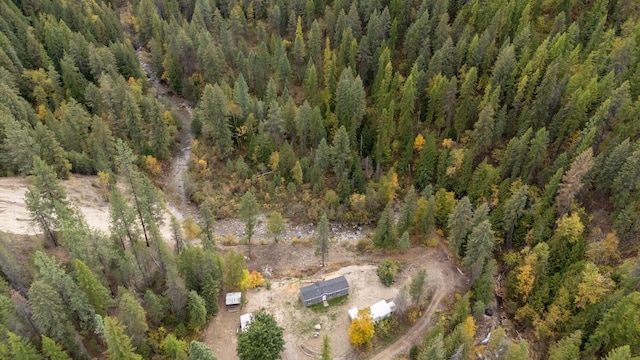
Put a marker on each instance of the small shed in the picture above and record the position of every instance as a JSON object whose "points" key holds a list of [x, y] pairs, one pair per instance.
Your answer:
{"points": [[233, 301], [245, 321], [324, 290], [353, 313], [233, 298]]}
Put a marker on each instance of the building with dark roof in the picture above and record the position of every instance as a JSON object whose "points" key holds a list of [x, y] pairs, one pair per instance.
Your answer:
{"points": [[324, 290]]}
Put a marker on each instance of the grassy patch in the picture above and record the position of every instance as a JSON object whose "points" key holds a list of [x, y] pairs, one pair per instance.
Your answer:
{"points": [[304, 327], [319, 307]]}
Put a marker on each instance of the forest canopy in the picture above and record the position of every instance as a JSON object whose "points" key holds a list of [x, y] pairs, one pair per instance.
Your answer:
{"points": [[508, 126]]}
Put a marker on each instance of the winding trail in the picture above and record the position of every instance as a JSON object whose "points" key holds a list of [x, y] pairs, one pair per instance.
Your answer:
{"points": [[176, 199]]}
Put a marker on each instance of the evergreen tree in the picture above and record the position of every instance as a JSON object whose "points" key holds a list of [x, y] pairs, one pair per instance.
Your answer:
{"points": [[303, 125], [425, 172], [326, 348], [263, 339], [197, 311], [200, 351], [483, 128], [207, 223], [274, 124], [459, 226], [52, 350], [479, 248], [407, 211], [118, 343], [324, 232], [568, 348], [156, 307], [51, 273], [51, 152], [311, 84], [416, 287], [123, 226], [404, 243], [385, 235], [350, 102], [20, 348], [133, 318], [213, 113], [341, 152], [513, 209], [46, 199], [249, 210], [620, 353], [98, 296], [19, 146], [617, 327], [50, 315]]}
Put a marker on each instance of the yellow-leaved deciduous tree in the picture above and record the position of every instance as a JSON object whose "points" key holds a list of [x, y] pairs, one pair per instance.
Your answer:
{"points": [[605, 252], [256, 279], [593, 286], [191, 229], [274, 161], [570, 227], [245, 281], [448, 143], [526, 279], [388, 186], [361, 330], [358, 204], [558, 313], [469, 327], [251, 280], [203, 169], [418, 143], [526, 275], [152, 165]]}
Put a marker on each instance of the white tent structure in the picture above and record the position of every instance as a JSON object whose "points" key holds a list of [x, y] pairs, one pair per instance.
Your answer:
{"points": [[378, 311]]}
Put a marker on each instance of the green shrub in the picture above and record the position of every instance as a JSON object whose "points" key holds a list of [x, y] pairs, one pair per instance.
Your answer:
{"points": [[387, 271]]}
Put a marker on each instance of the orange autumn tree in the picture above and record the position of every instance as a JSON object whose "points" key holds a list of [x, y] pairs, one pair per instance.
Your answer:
{"points": [[361, 330], [251, 280]]}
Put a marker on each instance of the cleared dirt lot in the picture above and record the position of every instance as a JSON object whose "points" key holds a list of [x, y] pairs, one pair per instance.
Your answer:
{"points": [[298, 321]]}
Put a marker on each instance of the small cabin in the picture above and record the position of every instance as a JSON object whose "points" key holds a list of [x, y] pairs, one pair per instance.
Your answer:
{"points": [[378, 311], [324, 290]]}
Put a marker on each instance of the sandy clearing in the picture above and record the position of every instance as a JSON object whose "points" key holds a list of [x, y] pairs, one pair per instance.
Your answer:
{"points": [[283, 302], [15, 217]]}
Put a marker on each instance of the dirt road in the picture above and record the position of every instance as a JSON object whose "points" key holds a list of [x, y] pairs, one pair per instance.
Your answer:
{"points": [[415, 335]]}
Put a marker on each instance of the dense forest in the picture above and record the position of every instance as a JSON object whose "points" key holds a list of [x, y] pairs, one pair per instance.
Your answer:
{"points": [[508, 126]]}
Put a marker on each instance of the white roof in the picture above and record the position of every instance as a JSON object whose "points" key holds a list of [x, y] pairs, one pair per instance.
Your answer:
{"points": [[233, 298], [381, 309], [378, 311], [245, 320]]}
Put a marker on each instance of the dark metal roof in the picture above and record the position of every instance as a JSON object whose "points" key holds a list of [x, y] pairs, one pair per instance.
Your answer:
{"points": [[324, 287]]}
